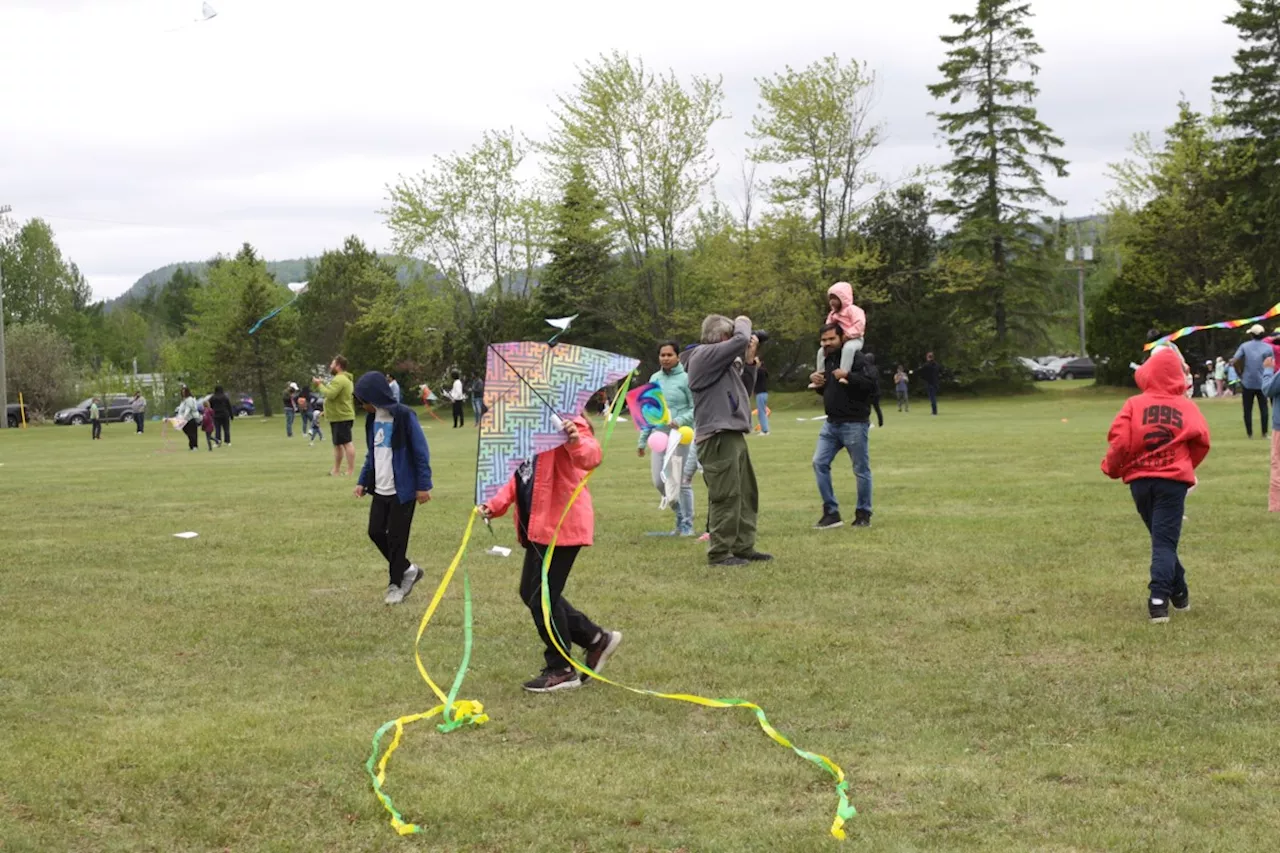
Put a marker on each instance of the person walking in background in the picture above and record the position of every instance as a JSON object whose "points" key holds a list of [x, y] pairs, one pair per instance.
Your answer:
{"points": [[290, 408], [1253, 352], [931, 373], [674, 382], [189, 415], [722, 374], [477, 398], [456, 396], [900, 388], [339, 405], [206, 421], [95, 418], [762, 397], [394, 386], [221, 405], [869, 360], [139, 408]]}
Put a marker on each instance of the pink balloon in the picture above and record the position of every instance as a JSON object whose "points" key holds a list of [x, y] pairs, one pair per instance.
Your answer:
{"points": [[658, 442]]}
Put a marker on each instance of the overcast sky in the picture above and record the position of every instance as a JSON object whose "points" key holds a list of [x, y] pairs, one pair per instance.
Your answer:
{"points": [[145, 138]]}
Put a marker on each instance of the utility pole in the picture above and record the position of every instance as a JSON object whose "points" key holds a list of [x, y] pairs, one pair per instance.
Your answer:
{"points": [[4, 387], [1079, 254]]}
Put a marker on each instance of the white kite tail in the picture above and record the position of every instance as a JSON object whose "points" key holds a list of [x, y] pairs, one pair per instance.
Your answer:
{"points": [[672, 472]]}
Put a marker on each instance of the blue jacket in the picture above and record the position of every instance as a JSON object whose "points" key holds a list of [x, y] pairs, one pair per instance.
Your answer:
{"points": [[1271, 390], [410, 456]]}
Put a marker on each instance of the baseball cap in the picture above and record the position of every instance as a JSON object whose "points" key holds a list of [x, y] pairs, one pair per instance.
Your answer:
{"points": [[1256, 329], [293, 386]]}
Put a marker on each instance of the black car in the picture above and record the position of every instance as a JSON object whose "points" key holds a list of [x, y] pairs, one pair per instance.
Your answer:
{"points": [[1077, 368], [14, 415], [116, 407]]}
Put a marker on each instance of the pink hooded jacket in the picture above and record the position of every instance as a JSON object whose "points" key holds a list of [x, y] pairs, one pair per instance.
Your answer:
{"points": [[557, 474], [850, 317]]}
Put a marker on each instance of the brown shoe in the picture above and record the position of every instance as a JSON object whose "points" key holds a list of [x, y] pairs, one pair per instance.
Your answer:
{"points": [[600, 652]]}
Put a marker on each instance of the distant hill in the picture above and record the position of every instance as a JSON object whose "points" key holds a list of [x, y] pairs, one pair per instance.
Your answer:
{"points": [[294, 269]]}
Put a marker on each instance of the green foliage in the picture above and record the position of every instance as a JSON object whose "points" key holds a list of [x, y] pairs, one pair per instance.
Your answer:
{"points": [[995, 184], [40, 286], [39, 364], [343, 286]]}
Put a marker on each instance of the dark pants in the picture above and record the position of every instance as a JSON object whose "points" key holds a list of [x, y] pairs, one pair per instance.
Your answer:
{"points": [[1249, 395], [389, 523], [139, 418], [459, 419], [97, 428], [208, 439], [571, 625], [875, 404], [477, 407], [288, 422], [732, 496], [933, 397], [192, 429], [1161, 504], [222, 429]]}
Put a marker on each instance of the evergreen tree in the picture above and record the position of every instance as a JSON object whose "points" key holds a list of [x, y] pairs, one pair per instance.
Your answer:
{"points": [[577, 279], [999, 148], [342, 287]]}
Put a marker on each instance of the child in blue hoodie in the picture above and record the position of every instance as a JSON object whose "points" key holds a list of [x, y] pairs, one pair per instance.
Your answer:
{"points": [[674, 383], [397, 472]]}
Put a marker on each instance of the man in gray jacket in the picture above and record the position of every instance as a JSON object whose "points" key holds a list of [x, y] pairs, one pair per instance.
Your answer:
{"points": [[138, 405], [722, 375]]}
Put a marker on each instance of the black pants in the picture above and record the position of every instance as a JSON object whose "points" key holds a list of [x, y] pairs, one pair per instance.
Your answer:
{"points": [[191, 428], [1249, 395], [139, 418], [97, 429], [875, 404], [222, 429], [933, 397], [572, 626], [458, 418], [208, 439], [389, 523], [1161, 504]]}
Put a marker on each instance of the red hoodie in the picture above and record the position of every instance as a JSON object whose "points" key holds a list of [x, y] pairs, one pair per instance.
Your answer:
{"points": [[1159, 433]]}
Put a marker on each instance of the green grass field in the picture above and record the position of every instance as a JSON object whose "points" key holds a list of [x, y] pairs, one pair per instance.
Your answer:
{"points": [[979, 661]]}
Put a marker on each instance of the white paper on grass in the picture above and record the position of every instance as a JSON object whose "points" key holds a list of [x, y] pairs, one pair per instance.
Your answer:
{"points": [[190, 534], [499, 551]]}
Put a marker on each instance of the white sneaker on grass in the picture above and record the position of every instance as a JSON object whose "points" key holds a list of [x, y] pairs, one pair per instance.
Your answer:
{"points": [[394, 595], [412, 575]]}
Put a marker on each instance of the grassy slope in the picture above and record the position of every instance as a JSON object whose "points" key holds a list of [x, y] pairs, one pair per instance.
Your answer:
{"points": [[978, 662]]}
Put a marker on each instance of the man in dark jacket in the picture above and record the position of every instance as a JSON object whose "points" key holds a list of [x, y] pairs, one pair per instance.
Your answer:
{"points": [[931, 373], [221, 405], [848, 410], [397, 472]]}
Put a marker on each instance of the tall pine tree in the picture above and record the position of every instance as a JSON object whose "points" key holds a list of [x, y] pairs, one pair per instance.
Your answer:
{"points": [[999, 149], [579, 277]]}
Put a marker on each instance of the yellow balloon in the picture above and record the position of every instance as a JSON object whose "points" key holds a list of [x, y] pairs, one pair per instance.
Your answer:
{"points": [[686, 435]]}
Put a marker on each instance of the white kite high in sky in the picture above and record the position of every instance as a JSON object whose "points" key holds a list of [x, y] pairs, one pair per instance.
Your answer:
{"points": [[207, 13]]}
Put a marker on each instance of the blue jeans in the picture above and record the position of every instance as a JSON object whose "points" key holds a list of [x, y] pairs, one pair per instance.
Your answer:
{"points": [[762, 411], [933, 398], [477, 406], [833, 439], [288, 422]]}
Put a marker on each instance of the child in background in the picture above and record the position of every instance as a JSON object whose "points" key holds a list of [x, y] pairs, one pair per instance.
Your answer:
{"points": [[397, 473], [540, 491], [853, 320], [900, 388], [95, 418], [1233, 381], [206, 422], [1156, 443]]}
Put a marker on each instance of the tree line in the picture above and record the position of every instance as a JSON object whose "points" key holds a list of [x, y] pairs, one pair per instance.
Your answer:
{"points": [[612, 215]]}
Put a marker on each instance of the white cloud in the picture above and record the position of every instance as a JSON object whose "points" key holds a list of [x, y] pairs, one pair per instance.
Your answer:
{"points": [[280, 121]]}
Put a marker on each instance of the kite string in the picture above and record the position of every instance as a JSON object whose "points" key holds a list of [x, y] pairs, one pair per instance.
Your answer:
{"points": [[844, 809]]}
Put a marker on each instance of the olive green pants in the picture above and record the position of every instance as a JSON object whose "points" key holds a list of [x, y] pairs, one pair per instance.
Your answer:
{"points": [[732, 496]]}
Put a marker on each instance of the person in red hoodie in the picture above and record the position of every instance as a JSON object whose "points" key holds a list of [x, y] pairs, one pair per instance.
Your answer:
{"points": [[1156, 443], [540, 491]]}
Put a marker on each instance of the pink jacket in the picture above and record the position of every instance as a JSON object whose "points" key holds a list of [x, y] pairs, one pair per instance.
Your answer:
{"points": [[557, 474], [850, 317]]}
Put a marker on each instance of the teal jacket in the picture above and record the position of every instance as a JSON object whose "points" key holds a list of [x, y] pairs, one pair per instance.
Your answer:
{"points": [[675, 390]]}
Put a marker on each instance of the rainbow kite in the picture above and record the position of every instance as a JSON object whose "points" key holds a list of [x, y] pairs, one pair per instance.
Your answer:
{"points": [[1225, 324], [648, 407]]}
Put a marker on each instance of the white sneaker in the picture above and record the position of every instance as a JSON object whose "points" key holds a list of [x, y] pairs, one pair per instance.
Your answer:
{"points": [[394, 595], [412, 575]]}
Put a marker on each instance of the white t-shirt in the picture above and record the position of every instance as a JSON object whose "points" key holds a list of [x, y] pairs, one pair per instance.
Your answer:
{"points": [[455, 393], [384, 476]]}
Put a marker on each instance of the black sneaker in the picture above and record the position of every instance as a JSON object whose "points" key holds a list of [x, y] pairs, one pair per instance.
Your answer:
{"points": [[862, 518], [729, 561], [830, 521], [1158, 610], [1181, 602], [600, 652], [552, 680], [755, 557]]}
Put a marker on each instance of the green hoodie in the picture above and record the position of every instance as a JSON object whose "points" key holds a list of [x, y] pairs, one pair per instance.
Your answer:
{"points": [[339, 402], [675, 390]]}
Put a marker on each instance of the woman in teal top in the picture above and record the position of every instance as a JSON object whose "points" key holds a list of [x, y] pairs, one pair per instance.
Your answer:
{"points": [[674, 383]]}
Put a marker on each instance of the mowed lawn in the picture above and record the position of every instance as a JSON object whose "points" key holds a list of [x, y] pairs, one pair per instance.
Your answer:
{"points": [[979, 662]]}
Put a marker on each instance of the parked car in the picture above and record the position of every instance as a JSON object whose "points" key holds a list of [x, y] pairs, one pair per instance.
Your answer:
{"points": [[1038, 371], [14, 415], [114, 408], [1077, 368]]}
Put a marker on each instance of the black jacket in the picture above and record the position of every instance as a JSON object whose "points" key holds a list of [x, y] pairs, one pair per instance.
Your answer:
{"points": [[930, 372], [221, 405], [848, 404]]}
